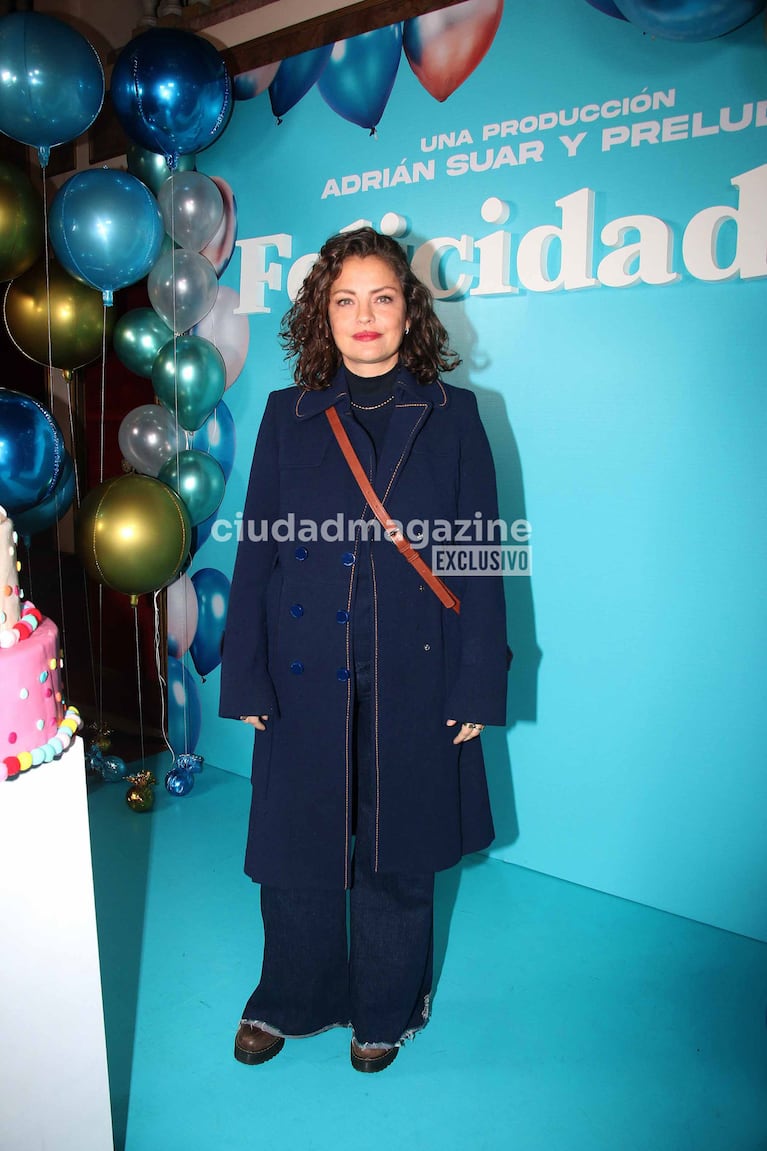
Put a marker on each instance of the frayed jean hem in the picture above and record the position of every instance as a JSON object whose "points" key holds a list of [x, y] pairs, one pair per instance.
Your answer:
{"points": [[267, 1027]]}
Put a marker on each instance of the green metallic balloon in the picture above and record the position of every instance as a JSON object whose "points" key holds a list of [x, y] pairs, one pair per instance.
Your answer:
{"points": [[189, 377], [152, 168], [133, 534], [138, 337], [77, 317], [198, 479], [21, 222]]}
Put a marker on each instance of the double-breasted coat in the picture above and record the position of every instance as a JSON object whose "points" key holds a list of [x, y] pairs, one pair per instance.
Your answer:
{"points": [[288, 647]]}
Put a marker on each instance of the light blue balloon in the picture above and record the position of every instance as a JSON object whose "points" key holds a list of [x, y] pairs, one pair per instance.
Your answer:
{"points": [[295, 76], [171, 92], [218, 438], [358, 78], [184, 712], [212, 588], [691, 20], [51, 81], [106, 229], [52, 508]]}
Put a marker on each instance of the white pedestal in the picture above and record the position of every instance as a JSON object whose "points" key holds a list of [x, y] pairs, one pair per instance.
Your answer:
{"points": [[54, 1087]]}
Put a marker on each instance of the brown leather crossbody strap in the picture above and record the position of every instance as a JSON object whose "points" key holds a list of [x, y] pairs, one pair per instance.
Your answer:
{"points": [[440, 589]]}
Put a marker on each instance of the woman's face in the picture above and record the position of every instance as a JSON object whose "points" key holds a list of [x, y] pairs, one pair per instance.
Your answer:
{"points": [[366, 312]]}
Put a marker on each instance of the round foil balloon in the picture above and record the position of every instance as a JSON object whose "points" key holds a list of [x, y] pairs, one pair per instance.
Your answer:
{"points": [[153, 169], [78, 324], [189, 377], [106, 229], [182, 288], [32, 453], [192, 209], [171, 92], [21, 222], [689, 19], [445, 47], [358, 78], [295, 76], [227, 331], [138, 337], [182, 615], [51, 81], [133, 534], [198, 479], [148, 436]]}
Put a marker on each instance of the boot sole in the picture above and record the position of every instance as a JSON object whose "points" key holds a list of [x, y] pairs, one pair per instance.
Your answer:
{"points": [[380, 1063], [253, 1058]]}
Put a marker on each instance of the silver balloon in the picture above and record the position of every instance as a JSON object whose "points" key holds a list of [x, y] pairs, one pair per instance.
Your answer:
{"points": [[148, 437], [192, 209], [182, 288]]}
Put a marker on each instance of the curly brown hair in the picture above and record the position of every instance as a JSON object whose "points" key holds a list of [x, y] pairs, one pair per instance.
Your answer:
{"points": [[305, 329]]}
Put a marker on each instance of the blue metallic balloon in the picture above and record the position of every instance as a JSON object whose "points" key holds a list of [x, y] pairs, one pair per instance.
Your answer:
{"points": [[217, 437], [607, 7], [51, 81], [179, 781], [198, 479], [184, 713], [212, 588], [359, 76], [691, 20], [106, 229], [295, 76], [171, 92], [32, 452], [188, 377], [52, 508]]}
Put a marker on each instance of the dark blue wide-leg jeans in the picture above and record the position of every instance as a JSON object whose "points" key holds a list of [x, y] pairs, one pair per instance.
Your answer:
{"points": [[378, 978]]}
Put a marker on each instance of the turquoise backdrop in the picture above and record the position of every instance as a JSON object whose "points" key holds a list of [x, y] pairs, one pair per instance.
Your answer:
{"points": [[624, 396]]}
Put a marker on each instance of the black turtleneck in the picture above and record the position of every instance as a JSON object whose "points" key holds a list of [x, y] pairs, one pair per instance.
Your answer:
{"points": [[372, 400]]}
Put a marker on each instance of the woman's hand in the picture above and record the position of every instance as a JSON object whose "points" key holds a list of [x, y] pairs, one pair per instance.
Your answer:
{"points": [[468, 730], [257, 721]]}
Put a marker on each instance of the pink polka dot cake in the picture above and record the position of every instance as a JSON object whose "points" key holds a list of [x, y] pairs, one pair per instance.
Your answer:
{"points": [[35, 727]]}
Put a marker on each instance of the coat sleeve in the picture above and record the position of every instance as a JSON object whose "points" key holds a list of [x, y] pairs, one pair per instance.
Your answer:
{"points": [[478, 691], [246, 686]]}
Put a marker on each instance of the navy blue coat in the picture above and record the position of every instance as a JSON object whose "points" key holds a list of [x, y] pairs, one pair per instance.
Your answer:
{"points": [[288, 644]]}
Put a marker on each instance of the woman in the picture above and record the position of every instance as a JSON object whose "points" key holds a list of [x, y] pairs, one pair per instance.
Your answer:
{"points": [[366, 693]]}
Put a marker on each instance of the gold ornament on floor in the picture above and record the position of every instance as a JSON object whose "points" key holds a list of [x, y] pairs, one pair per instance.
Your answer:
{"points": [[140, 795]]}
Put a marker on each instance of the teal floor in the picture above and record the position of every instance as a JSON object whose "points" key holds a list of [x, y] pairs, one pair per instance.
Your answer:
{"points": [[564, 1020]]}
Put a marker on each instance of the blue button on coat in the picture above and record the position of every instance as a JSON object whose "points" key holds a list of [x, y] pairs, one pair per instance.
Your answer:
{"points": [[430, 664]]}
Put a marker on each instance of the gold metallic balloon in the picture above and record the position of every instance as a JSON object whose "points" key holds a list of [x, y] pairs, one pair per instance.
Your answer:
{"points": [[133, 534], [21, 222], [77, 313]]}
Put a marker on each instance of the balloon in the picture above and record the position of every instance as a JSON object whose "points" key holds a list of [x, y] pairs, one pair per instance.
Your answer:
{"points": [[227, 331], [295, 76], [359, 76], [52, 508], [689, 19], [32, 452], [153, 169], [77, 318], [21, 222], [217, 437], [607, 7], [445, 47], [138, 337], [133, 534], [192, 209], [182, 288], [189, 377], [51, 81], [179, 781], [184, 713], [148, 436], [171, 92], [105, 227], [255, 81], [182, 615], [198, 479], [212, 589], [219, 250]]}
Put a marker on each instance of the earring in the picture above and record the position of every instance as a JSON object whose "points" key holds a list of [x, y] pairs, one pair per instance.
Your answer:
{"points": [[407, 329]]}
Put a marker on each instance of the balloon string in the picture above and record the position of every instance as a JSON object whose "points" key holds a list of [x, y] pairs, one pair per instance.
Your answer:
{"points": [[48, 291], [103, 391], [161, 678], [62, 613], [101, 657], [138, 685]]}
